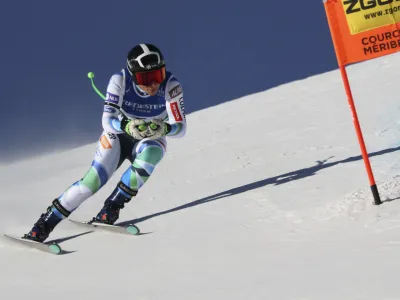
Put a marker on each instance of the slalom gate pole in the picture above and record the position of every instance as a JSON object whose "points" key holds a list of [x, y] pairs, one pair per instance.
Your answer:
{"points": [[374, 189]]}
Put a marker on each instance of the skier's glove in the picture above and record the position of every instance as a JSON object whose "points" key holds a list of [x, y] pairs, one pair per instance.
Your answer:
{"points": [[139, 129], [136, 128], [157, 128]]}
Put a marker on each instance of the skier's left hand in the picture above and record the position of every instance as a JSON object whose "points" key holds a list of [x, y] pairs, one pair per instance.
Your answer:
{"points": [[157, 128], [134, 127]]}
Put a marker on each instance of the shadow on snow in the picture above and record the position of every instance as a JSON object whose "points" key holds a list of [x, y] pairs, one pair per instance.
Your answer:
{"points": [[277, 180]]}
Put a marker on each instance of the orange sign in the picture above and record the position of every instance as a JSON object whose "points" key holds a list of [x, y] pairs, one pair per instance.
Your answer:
{"points": [[363, 29], [105, 143]]}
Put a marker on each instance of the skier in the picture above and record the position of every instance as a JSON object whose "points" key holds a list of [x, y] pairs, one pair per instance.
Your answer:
{"points": [[144, 105]]}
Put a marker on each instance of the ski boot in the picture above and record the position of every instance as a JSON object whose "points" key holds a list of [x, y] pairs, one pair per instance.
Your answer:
{"points": [[109, 214], [47, 222]]}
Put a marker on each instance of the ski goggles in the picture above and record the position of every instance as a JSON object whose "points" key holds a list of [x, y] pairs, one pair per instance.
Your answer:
{"points": [[147, 78]]}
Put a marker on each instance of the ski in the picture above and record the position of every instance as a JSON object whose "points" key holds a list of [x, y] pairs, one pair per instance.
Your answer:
{"points": [[53, 248], [128, 229]]}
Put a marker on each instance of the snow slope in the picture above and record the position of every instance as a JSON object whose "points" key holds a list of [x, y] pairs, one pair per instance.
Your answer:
{"points": [[266, 198]]}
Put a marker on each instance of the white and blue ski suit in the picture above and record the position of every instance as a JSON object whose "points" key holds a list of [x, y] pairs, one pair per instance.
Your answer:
{"points": [[114, 145]]}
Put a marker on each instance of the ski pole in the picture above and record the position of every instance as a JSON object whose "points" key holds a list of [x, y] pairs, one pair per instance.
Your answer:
{"points": [[91, 76], [141, 127]]}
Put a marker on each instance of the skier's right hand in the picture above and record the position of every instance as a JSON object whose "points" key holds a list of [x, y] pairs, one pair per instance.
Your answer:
{"points": [[134, 127]]}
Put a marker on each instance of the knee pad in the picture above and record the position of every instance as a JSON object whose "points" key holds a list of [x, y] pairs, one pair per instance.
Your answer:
{"points": [[95, 178], [150, 152]]}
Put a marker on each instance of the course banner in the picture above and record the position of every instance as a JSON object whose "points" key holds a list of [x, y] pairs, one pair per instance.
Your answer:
{"points": [[363, 15], [363, 29]]}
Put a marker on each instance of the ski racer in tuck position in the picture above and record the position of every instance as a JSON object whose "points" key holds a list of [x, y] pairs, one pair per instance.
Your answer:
{"points": [[143, 106]]}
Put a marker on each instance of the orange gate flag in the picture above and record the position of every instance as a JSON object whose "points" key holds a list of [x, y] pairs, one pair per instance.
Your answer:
{"points": [[363, 29]]}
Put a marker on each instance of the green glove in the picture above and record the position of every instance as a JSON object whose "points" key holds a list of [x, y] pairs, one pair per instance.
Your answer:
{"points": [[139, 129]]}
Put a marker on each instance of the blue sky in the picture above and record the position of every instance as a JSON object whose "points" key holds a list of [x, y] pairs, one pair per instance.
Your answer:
{"points": [[219, 50]]}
